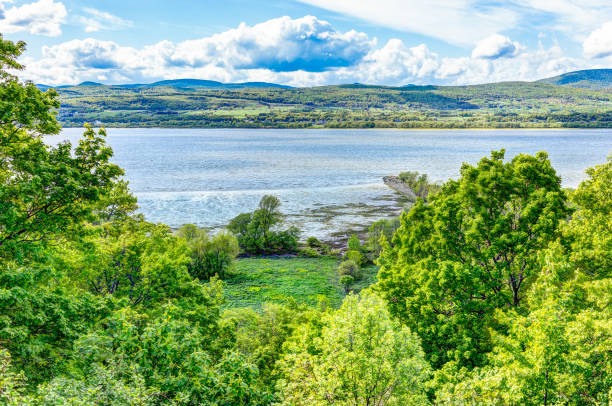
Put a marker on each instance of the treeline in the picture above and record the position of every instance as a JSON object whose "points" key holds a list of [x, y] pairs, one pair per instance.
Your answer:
{"points": [[495, 290]]}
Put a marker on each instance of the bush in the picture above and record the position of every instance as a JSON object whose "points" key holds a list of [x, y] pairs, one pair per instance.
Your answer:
{"points": [[349, 268], [356, 256], [378, 229], [256, 233], [353, 243], [313, 242], [346, 281], [209, 257], [309, 252]]}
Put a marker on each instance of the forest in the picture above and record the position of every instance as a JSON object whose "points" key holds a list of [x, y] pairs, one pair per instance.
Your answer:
{"points": [[497, 105], [494, 288]]}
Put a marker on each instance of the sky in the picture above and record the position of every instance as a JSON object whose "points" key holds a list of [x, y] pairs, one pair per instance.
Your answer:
{"points": [[308, 42]]}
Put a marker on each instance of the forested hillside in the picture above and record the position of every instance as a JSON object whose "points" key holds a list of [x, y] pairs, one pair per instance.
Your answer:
{"points": [[499, 105], [596, 79]]}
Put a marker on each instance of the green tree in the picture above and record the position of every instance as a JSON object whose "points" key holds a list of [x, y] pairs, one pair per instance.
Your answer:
{"points": [[12, 384], [209, 257], [138, 261], [558, 353], [346, 281], [256, 231], [472, 250], [44, 190], [349, 267], [589, 230], [361, 357]]}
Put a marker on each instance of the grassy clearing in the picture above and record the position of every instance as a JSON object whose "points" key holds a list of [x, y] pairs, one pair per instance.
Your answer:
{"points": [[255, 281]]}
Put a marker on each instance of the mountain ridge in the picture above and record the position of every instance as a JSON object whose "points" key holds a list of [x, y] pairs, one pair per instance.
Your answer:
{"points": [[595, 79]]}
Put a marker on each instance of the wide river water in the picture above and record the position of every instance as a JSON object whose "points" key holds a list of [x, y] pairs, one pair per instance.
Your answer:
{"points": [[328, 180]]}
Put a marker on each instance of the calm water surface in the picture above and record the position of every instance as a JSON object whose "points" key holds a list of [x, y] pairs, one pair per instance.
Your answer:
{"points": [[326, 179]]}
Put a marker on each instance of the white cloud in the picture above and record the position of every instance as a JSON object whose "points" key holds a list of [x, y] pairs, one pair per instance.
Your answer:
{"points": [[460, 22], [297, 52], [599, 43], [496, 46], [97, 20], [43, 17], [464, 22], [576, 18]]}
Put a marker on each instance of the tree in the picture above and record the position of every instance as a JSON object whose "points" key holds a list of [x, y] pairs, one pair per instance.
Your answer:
{"points": [[256, 231], [43, 189], [171, 358], [209, 257], [558, 353], [473, 249], [588, 232], [361, 357], [12, 384], [138, 261], [349, 267], [346, 281]]}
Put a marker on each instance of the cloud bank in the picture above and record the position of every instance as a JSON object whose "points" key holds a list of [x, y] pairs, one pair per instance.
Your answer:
{"points": [[599, 43], [300, 52], [43, 17]]}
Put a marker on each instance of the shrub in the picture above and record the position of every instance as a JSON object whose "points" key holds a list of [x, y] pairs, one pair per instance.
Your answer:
{"points": [[356, 256], [353, 243], [309, 252], [349, 268], [346, 281], [209, 257], [256, 231], [313, 242]]}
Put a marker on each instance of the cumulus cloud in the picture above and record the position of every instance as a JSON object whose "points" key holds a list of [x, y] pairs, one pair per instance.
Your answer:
{"points": [[281, 44], [496, 46], [97, 20], [43, 17], [599, 43], [298, 52], [277, 45]]}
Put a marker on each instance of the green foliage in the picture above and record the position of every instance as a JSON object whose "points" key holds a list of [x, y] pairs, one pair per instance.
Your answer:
{"points": [[39, 323], [356, 256], [353, 243], [420, 184], [259, 336], [255, 231], [12, 384], [171, 360], [309, 252], [209, 257], [379, 229], [472, 250], [44, 190], [349, 267], [558, 353], [136, 261], [589, 229], [313, 242], [347, 281], [361, 356]]}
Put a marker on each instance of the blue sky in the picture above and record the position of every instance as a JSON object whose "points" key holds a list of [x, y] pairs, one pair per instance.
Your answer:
{"points": [[308, 42]]}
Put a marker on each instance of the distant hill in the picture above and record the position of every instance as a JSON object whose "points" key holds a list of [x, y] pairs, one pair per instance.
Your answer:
{"points": [[177, 83], [596, 79], [201, 103]]}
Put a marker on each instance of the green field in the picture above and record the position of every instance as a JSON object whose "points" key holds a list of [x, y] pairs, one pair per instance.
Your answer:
{"points": [[255, 281]]}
